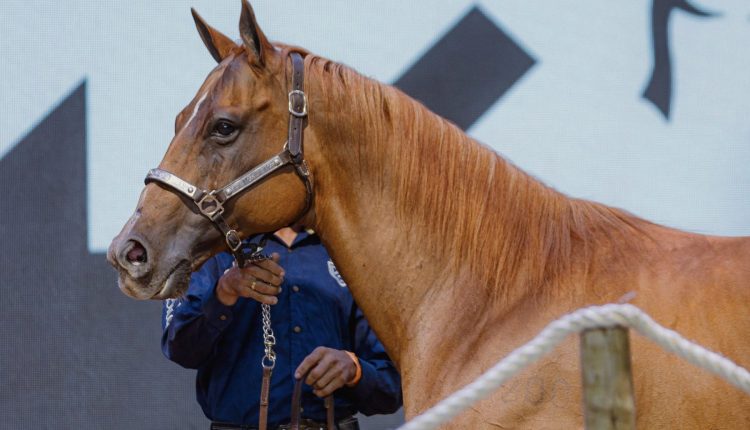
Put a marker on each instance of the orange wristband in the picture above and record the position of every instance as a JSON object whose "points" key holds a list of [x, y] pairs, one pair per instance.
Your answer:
{"points": [[358, 374]]}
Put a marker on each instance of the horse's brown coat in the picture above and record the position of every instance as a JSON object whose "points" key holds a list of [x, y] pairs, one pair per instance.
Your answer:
{"points": [[455, 255]]}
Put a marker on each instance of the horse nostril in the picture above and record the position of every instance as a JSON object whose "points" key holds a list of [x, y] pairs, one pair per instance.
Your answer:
{"points": [[137, 254]]}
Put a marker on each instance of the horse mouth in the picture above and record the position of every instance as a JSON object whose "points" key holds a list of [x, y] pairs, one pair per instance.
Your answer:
{"points": [[175, 284]]}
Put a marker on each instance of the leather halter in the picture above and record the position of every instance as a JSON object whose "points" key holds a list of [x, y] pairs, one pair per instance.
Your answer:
{"points": [[210, 204]]}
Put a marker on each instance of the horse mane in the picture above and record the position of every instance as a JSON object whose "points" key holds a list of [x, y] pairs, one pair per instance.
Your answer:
{"points": [[464, 200]]}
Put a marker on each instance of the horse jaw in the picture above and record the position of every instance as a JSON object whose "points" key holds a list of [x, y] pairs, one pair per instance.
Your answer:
{"points": [[169, 286]]}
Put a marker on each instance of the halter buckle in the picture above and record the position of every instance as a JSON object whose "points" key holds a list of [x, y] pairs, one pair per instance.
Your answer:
{"points": [[210, 206], [292, 110], [233, 240]]}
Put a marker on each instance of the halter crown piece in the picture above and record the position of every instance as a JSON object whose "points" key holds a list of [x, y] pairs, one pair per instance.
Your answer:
{"points": [[210, 204]]}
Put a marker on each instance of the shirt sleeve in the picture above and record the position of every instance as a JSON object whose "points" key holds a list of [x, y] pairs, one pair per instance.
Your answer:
{"points": [[193, 324], [379, 389]]}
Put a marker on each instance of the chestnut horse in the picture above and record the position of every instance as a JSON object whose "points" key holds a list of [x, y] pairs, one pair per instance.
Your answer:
{"points": [[455, 255]]}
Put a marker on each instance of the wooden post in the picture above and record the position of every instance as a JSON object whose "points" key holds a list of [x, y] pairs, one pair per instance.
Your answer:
{"points": [[607, 379]]}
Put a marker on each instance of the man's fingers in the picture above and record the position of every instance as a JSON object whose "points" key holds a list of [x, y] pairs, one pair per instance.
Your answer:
{"points": [[266, 300], [331, 387], [272, 265], [254, 272], [262, 298], [332, 372], [319, 370], [309, 362], [326, 372], [255, 289], [259, 291], [261, 287], [266, 270], [253, 282]]}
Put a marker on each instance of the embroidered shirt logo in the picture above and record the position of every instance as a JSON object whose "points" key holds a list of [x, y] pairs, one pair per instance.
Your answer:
{"points": [[335, 274], [171, 304]]}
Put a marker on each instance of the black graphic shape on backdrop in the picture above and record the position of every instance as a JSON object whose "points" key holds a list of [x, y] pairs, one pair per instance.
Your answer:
{"points": [[467, 70], [77, 353], [659, 88]]}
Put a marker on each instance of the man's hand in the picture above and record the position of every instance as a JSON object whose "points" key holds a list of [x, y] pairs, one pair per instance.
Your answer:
{"points": [[259, 281], [331, 370]]}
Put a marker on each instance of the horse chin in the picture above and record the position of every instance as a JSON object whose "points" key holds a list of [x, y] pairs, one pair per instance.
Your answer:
{"points": [[172, 286], [176, 283]]}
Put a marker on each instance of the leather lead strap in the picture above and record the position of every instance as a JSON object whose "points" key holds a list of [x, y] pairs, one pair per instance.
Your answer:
{"points": [[330, 413], [265, 389], [297, 407]]}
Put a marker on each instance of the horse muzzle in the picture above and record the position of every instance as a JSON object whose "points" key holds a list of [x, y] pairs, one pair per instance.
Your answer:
{"points": [[138, 274]]}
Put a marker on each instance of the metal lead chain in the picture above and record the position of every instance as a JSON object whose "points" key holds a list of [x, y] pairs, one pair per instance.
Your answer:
{"points": [[269, 340], [269, 359]]}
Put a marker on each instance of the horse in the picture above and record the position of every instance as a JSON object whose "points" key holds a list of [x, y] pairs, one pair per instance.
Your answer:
{"points": [[455, 255]]}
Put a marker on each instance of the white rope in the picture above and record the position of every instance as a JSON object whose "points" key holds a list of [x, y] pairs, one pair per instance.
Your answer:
{"points": [[591, 317]]}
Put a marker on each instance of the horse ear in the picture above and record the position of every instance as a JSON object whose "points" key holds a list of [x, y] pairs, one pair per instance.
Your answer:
{"points": [[218, 45], [253, 38]]}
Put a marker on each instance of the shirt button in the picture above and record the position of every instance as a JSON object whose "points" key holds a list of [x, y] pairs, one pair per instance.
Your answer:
{"points": [[295, 288], [297, 329]]}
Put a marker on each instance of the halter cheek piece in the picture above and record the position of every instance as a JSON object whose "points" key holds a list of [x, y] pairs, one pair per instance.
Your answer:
{"points": [[211, 203]]}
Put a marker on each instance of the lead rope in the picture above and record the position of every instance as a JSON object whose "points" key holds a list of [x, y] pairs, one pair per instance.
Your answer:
{"points": [[268, 362], [297, 123], [297, 407]]}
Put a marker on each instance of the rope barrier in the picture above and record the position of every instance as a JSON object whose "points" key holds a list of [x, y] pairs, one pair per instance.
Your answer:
{"points": [[592, 317]]}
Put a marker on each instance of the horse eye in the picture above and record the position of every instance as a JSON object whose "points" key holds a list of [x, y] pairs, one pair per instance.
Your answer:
{"points": [[224, 128]]}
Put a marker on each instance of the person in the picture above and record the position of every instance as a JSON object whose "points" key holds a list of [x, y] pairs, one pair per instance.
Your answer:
{"points": [[216, 329]]}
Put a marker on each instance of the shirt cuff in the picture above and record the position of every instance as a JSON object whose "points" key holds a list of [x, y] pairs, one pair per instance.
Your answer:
{"points": [[217, 313], [364, 387]]}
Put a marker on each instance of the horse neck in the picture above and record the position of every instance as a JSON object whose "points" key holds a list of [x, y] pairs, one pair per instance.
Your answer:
{"points": [[410, 207]]}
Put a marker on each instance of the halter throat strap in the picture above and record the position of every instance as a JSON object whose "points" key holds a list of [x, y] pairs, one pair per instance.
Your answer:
{"points": [[210, 203]]}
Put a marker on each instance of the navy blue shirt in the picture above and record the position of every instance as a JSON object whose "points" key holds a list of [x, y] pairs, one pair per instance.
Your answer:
{"points": [[314, 309]]}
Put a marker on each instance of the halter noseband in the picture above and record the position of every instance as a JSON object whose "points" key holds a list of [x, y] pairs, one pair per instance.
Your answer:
{"points": [[211, 203]]}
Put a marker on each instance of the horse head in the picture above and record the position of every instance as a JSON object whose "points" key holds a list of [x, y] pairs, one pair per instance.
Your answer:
{"points": [[236, 123]]}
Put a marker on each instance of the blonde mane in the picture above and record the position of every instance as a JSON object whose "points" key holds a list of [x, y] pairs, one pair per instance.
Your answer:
{"points": [[471, 204]]}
